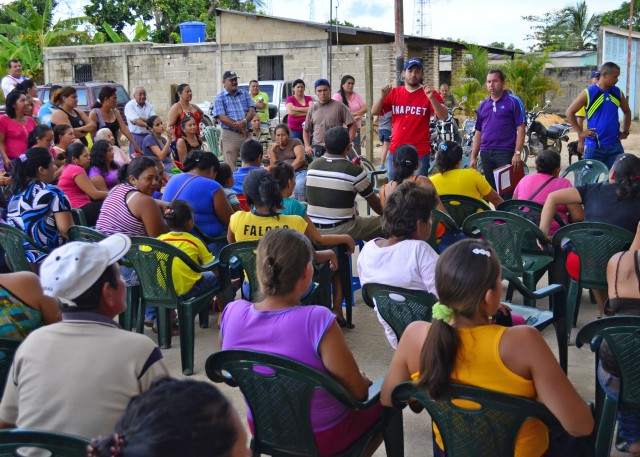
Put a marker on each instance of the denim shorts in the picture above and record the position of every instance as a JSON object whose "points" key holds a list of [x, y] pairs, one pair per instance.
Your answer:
{"points": [[628, 422], [384, 135]]}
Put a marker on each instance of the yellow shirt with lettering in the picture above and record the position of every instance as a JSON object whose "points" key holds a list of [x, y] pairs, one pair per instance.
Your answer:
{"points": [[246, 226], [184, 277]]}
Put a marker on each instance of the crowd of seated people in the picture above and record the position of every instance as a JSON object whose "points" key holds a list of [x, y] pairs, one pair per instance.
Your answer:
{"points": [[55, 172]]}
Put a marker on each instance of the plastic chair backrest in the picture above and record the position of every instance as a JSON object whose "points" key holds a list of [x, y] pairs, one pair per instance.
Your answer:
{"points": [[511, 236], [278, 391], [58, 444], [7, 351], [80, 233], [438, 217], [212, 135], [79, 217], [244, 253], [460, 207], [486, 430], [399, 307], [153, 261], [595, 243], [528, 209], [586, 171], [12, 241]]}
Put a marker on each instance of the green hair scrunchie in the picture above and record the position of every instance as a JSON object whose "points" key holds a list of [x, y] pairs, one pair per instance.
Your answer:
{"points": [[442, 312]]}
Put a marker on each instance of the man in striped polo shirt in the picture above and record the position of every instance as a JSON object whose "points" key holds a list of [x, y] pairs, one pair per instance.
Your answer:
{"points": [[332, 184]]}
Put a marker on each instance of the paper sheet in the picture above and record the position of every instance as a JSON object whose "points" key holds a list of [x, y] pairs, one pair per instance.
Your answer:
{"points": [[505, 180]]}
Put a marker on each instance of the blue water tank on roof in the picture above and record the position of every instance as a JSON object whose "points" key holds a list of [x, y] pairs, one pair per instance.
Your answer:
{"points": [[192, 31]]}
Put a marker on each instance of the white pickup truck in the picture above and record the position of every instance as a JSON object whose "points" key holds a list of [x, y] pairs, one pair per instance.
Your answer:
{"points": [[278, 92]]}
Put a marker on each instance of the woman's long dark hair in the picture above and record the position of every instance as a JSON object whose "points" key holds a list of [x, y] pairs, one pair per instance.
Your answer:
{"points": [[448, 156], [261, 189], [344, 79], [25, 167], [105, 92], [406, 160], [626, 170], [99, 157]]}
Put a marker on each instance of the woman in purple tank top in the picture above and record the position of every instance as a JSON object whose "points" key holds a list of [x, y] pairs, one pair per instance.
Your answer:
{"points": [[313, 336]]}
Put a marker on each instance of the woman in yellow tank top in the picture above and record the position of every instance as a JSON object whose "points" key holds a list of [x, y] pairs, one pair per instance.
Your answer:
{"points": [[462, 347]]}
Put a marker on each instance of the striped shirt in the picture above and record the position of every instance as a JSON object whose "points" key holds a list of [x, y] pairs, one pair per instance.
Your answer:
{"points": [[115, 215], [332, 184]]}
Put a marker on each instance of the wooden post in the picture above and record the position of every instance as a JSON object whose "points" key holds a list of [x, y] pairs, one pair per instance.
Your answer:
{"points": [[629, 41], [399, 42], [368, 77]]}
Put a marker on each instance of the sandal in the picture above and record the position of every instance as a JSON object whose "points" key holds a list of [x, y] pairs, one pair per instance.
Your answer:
{"points": [[343, 323]]}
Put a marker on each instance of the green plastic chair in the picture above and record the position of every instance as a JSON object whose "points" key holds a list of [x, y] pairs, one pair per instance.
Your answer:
{"points": [[153, 261], [82, 233], [58, 444], [489, 430], [212, 136], [12, 241], [438, 217], [528, 209], [539, 318], [586, 171], [278, 391], [460, 207], [399, 307], [515, 240], [243, 254], [79, 217], [377, 178], [595, 243], [622, 334], [8, 349]]}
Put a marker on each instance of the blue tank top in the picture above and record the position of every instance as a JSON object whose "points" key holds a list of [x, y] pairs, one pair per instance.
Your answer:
{"points": [[602, 114]]}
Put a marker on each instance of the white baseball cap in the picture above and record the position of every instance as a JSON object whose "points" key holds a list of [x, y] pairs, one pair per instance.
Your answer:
{"points": [[73, 268]]}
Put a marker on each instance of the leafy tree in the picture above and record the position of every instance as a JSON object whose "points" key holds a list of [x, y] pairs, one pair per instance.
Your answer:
{"points": [[118, 14], [22, 6], [28, 32], [501, 45], [337, 22], [471, 81], [525, 78], [620, 17], [571, 28]]}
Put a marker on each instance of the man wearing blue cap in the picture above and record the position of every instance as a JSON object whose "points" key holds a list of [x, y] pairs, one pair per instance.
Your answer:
{"points": [[602, 102], [411, 107], [322, 116]]}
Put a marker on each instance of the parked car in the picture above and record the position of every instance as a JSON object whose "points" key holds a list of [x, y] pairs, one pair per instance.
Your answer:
{"points": [[88, 94], [278, 92]]}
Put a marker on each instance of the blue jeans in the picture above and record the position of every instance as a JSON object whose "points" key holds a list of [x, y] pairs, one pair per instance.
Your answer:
{"points": [[605, 154], [300, 191], [628, 423], [492, 159], [297, 135], [423, 168]]}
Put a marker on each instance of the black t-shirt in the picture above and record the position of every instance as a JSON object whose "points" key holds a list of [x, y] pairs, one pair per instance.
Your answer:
{"points": [[601, 204]]}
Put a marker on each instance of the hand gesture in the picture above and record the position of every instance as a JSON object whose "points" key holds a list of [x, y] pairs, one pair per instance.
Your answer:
{"points": [[384, 91], [428, 90]]}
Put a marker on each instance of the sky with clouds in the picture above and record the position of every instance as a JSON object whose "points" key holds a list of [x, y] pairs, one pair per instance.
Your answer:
{"points": [[480, 22]]}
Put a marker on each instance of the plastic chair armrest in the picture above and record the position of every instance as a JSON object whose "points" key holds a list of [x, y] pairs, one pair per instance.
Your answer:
{"points": [[551, 289], [374, 393]]}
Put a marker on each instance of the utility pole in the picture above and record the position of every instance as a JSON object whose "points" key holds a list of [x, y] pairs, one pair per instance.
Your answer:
{"points": [[399, 42]]}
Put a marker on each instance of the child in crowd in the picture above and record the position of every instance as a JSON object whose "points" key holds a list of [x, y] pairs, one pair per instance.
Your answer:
{"points": [[285, 176], [384, 134], [41, 137], [225, 179], [162, 422], [308, 334], [460, 347], [188, 283]]}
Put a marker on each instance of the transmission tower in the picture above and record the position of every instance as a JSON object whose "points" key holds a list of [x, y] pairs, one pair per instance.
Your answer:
{"points": [[422, 14], [312, 10]]}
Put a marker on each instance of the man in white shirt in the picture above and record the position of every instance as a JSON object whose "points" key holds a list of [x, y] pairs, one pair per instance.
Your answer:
{"points": [[137, 111], [14, 77]]}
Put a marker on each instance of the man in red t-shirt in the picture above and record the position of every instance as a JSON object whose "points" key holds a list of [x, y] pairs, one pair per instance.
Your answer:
{"points": [[411, 108]]}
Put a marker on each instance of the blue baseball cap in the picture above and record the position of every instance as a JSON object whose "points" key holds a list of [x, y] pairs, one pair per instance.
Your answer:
{"points": [[414, 62], [595, 74], [322, 82]]}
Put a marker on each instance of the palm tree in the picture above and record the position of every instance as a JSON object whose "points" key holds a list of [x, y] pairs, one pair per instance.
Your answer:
{"points": [[30, 32], [525, 78], [582, 28], [471, 82]]}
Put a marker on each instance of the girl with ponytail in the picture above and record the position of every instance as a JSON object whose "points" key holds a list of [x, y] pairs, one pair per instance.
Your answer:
{"points": [[460, 346], [308, 334]]}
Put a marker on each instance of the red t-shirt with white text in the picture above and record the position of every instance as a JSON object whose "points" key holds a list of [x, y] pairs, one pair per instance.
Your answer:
{"points": [[410, 116]]}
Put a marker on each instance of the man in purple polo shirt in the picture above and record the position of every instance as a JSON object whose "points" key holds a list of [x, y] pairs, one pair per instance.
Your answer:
{"points": [[500, 129]]}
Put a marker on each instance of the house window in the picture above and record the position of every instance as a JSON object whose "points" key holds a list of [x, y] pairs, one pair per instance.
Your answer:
{"points": [[270, 68], [82, 73]]}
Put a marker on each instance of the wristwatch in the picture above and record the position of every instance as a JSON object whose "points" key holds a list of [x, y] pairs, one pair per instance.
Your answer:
{"points": [[519, 152], [625, 132]]}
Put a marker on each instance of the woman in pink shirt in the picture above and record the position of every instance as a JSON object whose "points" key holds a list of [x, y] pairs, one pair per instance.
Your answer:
{"points": [[14, 128], [353, 101], [297, 107], [78, 187], [538, 186]]}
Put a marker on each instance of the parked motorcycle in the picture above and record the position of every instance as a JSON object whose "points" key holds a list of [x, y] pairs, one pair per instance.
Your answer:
{"points": [[443, 130], [540, 137]]}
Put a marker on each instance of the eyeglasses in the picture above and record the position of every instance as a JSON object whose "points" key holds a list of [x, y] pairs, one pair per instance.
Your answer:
{"points": [[494, 107]]}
